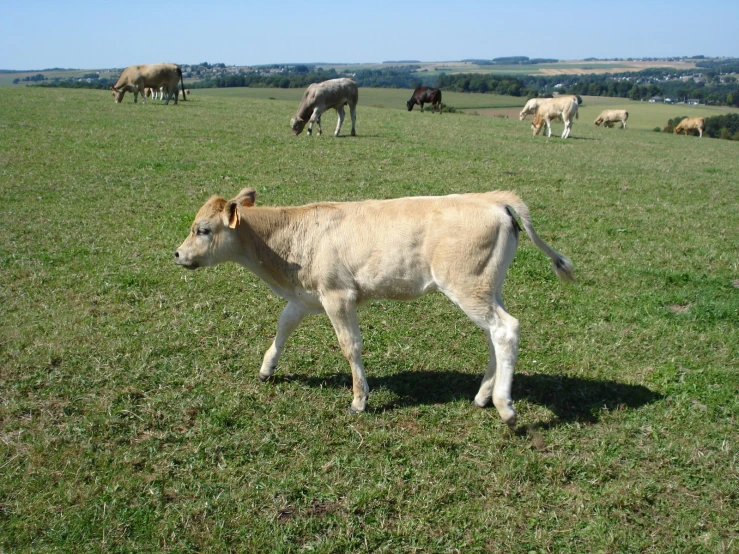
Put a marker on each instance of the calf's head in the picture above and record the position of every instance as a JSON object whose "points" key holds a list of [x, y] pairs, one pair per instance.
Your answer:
{"points": [[599, 121], [537, 124], [297, 125], [410, 104], [117, 94], [212, 234]]}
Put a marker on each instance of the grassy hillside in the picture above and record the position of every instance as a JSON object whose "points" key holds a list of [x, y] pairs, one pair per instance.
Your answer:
{"points": [[374, 97], [642, 115], [133, 419]]}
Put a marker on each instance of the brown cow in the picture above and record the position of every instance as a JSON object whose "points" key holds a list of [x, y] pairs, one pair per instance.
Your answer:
{"points": [[332, 257], [319, 97], [425, 95], [137, 78], [691, 124]]}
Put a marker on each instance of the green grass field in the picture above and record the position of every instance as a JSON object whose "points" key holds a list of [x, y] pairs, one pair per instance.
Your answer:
{"points": [[132, 419], [642, 115], [373, 97]]}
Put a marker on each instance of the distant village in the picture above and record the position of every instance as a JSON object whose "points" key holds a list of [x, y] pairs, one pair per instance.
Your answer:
{"points": [[656, 84]]}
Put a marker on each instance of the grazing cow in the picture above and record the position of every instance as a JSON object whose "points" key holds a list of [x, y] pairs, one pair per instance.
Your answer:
{"points": [[158, 76], [608, 117], [530, 107], [331, 257], [691, 124], [319, 97], [533, 103], [563, 107], [425, 95]]}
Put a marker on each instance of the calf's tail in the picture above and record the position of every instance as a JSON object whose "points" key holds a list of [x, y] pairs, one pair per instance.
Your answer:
{"points": [[561, 266]]}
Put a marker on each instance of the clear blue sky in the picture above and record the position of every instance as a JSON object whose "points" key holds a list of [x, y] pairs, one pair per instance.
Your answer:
{"points": [[39, 34]]}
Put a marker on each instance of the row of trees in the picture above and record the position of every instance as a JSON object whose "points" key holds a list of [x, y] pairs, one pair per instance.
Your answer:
{"points": [[30, 78], [713, 86]]}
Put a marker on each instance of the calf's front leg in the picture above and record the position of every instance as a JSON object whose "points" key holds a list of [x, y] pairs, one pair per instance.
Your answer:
{"points": [[290, 318], [340, 111], [315, 118]]}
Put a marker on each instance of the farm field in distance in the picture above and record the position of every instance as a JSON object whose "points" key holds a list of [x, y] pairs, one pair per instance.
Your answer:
{"points": [[572, 67], [132, 415], [432, 68]]}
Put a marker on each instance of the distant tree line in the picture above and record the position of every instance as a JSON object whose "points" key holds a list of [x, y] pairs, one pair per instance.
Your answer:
{"points": [[30, 78], [641, 85], [713, 86], [76, 83], [486, 82]]}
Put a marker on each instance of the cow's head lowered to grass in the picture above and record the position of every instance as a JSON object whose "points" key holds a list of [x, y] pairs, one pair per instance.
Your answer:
{"points": [[210, 233], [297, 125]]}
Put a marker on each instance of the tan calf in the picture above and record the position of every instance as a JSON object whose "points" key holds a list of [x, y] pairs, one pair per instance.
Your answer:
{"points": [[562, 107], [332, 257], [319, 97], [691, 124], [530, 107], [608, 117]]}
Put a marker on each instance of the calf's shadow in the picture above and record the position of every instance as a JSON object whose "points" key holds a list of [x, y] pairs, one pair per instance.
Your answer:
{"points": [[570, 399]]}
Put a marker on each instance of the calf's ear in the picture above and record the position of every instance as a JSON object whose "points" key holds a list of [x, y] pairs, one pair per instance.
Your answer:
{"points": [[245, 198]]}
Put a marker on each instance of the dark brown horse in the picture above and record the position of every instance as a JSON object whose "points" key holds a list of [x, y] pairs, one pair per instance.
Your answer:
{"points": [[425, 95]]}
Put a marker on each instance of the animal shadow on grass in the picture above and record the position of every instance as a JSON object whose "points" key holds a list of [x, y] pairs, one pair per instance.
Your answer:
{"points": [[570, 399]]}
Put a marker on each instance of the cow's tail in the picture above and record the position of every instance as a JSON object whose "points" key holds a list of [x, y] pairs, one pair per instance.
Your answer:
{"points": [[182, 82], [440, 104], [561, 266]]}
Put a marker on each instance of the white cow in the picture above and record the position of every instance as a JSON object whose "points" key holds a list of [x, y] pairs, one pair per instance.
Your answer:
{"points": [[530, 107], [563, 107], [608, 117], [319, 97], [331, 257]]}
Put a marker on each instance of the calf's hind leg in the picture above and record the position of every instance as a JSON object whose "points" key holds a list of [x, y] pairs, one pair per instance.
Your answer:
{"points": [[503, 335], [353, 115], [342, 311]]}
